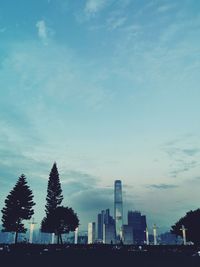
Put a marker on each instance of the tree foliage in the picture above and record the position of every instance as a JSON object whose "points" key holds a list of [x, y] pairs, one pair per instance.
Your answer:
{"points": [[18, 207], [54, 191], [191, 222], [54, 199], [61, 220]]}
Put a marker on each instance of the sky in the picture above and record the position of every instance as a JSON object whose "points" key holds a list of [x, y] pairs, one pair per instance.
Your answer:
{"points": [[109, 89]]}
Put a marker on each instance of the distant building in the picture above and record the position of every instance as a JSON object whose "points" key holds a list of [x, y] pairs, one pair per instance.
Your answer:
{"points": [[127, 234], [76, 236], [44, 237], [104, 218], [169, 239], [91, 233], [138, 223], [6, 237], [82, 239], [118, 209], [109, 233]]}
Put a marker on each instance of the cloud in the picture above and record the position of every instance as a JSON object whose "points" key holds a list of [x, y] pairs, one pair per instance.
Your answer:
{"points": [[114, 23], [94, 6], [183, 166], [75, 182], [163, 186], [73, 175], [48, 70], [183, 154], [165, 8], [43, 31], [174, 151], [94, 199], [191, 151]]}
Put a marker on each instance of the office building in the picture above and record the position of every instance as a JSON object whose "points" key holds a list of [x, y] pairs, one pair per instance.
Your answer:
{"points": [[138, 223], [169, 239], [109, 233], [127, 235], [118, 209], [91, 233], [104, 218]]}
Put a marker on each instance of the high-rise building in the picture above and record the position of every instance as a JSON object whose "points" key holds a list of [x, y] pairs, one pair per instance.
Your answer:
{"points": [[138, 223], [104, 218], [91, 232], [127, 234], [109, 233], [100, 226], [118, 209]]}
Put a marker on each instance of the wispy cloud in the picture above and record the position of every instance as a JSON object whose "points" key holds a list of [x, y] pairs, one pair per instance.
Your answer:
{"points": [[114, 23], [43, 31], [183, 166], [183, 155], [50, 69], [163, 186], [191, 151], [94, 6], [165, 8]]}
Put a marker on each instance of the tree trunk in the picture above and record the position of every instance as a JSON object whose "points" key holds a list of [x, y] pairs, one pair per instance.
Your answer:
{"points": [[16, 237], [61, 242], [16, 233]]}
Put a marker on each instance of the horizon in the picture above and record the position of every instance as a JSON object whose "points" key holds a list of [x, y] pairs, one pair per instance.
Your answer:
{"points": [[109, 90]]}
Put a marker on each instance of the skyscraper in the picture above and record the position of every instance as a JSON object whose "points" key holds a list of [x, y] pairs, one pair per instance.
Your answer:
{"points": [[118, 209], [104, 218], [138, 223], [91, 232], [127, 234], [109, 233]]}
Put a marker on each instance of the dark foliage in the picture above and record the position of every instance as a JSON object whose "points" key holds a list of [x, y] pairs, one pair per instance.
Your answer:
{"points": [[18, 207], [54, 191], [61, 220], [54, 199], [191, 222]]}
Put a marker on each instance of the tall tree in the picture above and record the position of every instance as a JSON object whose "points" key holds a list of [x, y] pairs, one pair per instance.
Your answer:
{"points": [[61, 220], [54, 191], [18, 207], [191, 222], [54, 199]]}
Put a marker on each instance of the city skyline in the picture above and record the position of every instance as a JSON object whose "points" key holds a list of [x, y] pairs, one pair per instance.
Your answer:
{"points": [[109, 90]]}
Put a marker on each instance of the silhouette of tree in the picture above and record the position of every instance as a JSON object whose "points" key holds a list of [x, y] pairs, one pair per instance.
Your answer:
{"points": [[54, 191], [191, 222], [54, 199], [61, 220], [18, 207]]}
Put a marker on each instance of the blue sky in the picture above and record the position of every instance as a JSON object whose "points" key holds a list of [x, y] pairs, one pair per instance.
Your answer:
{"points": [[109, 89]]}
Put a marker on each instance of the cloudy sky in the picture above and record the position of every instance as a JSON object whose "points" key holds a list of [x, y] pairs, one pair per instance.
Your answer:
{"points": [[109, 89]]}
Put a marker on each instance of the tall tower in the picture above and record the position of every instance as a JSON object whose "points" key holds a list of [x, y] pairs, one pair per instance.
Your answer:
{"points": [[118, 209]]}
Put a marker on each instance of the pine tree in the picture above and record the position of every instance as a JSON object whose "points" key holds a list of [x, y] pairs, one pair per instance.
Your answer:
{"points": [[18, 207], [54, 199]]}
